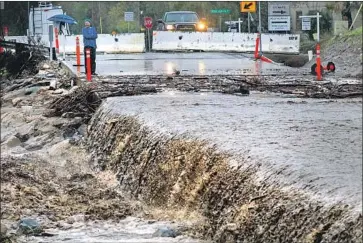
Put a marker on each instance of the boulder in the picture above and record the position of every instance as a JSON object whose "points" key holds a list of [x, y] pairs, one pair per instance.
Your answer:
{"points": [[165, 232], [45, 66], [16, 101], [29, 226], [3, 230], [13, 142], [76, 218]]}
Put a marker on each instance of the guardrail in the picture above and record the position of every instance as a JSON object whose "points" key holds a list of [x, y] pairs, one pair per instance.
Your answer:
{"points": [[215, 41], [178, 41]]}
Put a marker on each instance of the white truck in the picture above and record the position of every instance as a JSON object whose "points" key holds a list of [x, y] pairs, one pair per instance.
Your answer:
{"points": [[38, 19]]}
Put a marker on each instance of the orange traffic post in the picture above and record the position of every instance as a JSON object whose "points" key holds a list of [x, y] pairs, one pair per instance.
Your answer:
{"points": [[257, 44], [78, 52], [56, 40], [318, 62], [88, 61]]}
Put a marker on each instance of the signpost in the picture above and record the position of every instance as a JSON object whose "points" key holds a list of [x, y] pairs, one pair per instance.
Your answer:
{"points": [[279, 17], [50, 33], [279, 23], [305, 24], [148, 23], [318, 62], [248, 7], [129, 17], [278, 9], [220, 11]]}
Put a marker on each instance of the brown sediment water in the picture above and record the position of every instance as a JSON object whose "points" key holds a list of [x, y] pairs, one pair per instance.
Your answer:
{"points": [[276, 171]]}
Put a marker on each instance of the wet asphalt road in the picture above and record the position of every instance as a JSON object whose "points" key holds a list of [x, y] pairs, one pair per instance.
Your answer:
{"points": [[197, 63]]}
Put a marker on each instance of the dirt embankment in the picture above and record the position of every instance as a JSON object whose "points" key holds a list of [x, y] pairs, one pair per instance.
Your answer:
{"points": [[44, 167], [345, 51], [178, 173]]}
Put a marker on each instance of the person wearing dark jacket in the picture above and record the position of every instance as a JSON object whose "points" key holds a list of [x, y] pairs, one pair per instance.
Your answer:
{"points": [[89, 42]]}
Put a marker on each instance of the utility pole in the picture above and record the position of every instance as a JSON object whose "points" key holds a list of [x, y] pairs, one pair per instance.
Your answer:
{"points": [[260, 26], [99, 13]]}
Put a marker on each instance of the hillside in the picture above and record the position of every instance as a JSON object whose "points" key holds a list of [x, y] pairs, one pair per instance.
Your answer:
{"points": [[345, 51]]}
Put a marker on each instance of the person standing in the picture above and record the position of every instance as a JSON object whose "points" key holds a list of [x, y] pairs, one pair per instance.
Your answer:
{"points": [[89, 42]]}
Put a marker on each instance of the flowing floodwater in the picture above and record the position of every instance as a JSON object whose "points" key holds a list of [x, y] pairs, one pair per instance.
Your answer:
{"points": [[129, 230], [317, 142]]}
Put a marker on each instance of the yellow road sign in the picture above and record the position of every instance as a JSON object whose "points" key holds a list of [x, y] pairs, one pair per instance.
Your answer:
{"points": [[248, 7]]}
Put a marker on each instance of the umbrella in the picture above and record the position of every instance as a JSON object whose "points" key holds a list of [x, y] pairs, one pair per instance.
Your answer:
{"points": [[63, 18]]}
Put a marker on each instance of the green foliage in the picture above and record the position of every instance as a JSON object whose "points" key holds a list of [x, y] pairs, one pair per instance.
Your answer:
{"points": [[112, 13], [15, 16]]}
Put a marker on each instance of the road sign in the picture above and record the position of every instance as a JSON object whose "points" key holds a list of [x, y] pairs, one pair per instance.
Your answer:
{"points": [[305, 24], [248, 7], [279, 23], [148, 22], [278, 9], [220, 11], [129, 16]]}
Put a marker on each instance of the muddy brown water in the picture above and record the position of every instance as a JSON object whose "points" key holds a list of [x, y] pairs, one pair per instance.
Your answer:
{"points": [[311, 144], [129, 230]]}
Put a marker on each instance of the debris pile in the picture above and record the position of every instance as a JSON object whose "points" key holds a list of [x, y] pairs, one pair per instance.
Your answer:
{"points": [[82, 101], [23, 62]]}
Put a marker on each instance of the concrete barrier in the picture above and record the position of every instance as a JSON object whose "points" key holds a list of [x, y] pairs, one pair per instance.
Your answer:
{"points": [[123, 43], [215, 41]]}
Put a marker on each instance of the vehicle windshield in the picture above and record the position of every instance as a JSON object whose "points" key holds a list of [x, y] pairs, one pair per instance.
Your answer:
{"points": [[181, 17]]}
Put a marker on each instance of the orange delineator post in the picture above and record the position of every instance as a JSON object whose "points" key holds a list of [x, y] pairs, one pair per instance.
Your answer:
{"points": [[88, 61], [78, 52], [265, 59], [56, 40], [318, 62], [257, 44]]}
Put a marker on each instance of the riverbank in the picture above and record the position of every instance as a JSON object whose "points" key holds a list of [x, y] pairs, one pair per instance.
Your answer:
{"points": [[47, 185], [61, 168]]}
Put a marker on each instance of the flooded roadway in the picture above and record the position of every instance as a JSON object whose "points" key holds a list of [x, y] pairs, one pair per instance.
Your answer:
{"points": [[318, 143], [187, 63]]}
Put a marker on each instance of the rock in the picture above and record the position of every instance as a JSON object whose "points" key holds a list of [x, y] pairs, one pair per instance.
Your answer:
{"points": [[29, 226], [64, 225], [83, 130], [73, 89], [68, 115], [31, 90], [57, 122], [3, 230], [165, 232], [16, 101], [58, 91], [22, 137], [53, 85], [76, 218], [50, 75], [13, 142], [45, 66]]}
